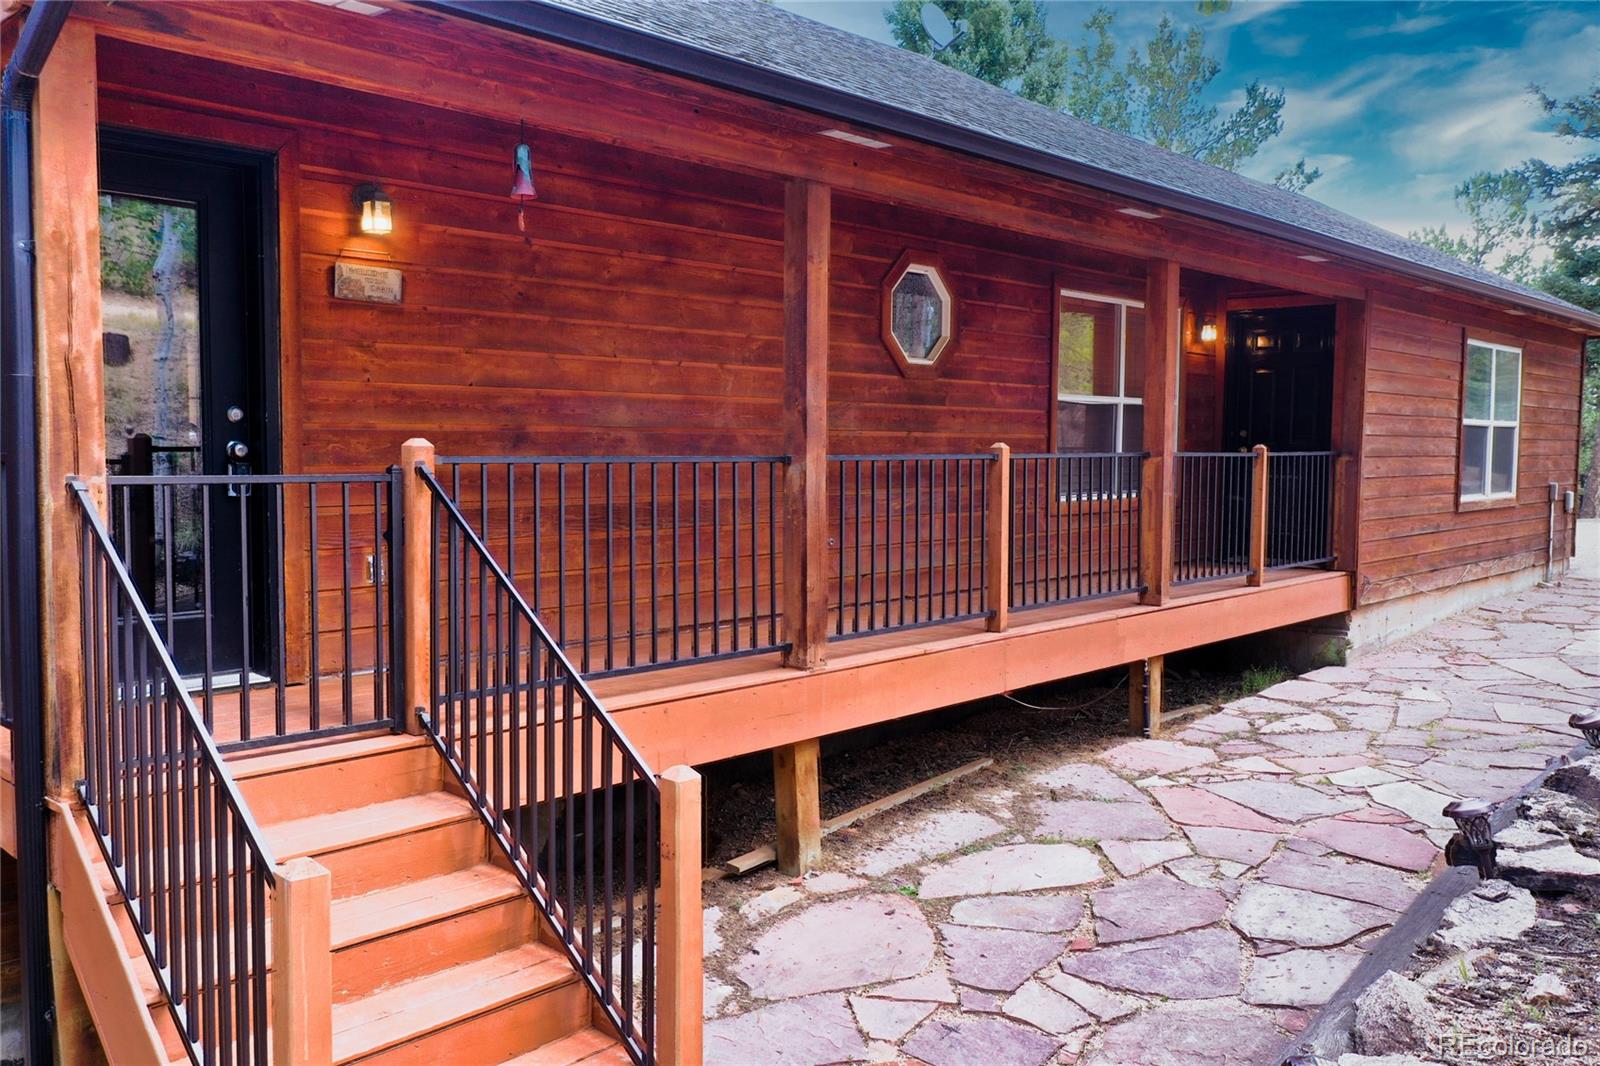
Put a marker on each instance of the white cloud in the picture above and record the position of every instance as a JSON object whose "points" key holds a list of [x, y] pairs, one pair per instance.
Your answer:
{"points": [[1402, 26]]}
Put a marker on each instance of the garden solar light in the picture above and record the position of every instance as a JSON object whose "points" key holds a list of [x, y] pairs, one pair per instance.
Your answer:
{"points": [[1472, 818], [1589, 725]]}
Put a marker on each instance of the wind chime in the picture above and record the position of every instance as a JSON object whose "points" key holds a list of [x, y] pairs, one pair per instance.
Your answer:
{"points": [[522, 190]]}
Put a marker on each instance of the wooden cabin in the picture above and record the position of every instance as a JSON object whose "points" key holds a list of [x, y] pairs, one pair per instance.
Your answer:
{"points": [[431, 429]]}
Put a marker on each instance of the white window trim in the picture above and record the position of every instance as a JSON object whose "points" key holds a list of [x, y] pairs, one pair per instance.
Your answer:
{"points": [[1120, 401], [1493, 423]]}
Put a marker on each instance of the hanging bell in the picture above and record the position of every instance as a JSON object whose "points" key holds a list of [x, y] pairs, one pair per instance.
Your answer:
{"points": [[522, 189]]}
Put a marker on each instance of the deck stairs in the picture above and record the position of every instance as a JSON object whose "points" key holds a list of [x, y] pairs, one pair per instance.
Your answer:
{"points": [[439, 956]]}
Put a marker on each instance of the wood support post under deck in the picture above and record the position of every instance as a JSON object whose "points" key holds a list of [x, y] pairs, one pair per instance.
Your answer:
{"points": [[1144, 695], [415, 570], [1258, 516], [807, 227], [1163, 326], [302, 964], [794, 774], [679, 1002], [998, 533]]}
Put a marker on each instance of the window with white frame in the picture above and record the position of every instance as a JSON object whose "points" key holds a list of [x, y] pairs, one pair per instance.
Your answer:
{"points": [[1490, 421], [1099, 389]]}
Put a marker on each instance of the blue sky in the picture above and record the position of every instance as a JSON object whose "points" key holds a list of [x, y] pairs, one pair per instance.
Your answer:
{"points": [[1396, 102]]}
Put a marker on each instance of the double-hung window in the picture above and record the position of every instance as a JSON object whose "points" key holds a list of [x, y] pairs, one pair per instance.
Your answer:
{"points": [[1490, 417], [1099, 381]]}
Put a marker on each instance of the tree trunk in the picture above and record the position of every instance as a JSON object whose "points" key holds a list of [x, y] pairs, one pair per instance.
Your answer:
{"points": [[1589, 506]]}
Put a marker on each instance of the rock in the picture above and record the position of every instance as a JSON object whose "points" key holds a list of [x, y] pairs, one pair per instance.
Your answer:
{"points": [[1392, 1016], [1557, 867], [1014, 868], [840, 944], [1299, 978], [1283, 800], [1352, 1059], [1578, 822], [888, 1019], [1348, 742], [965, 1040], [1199, 1034], [1078, 819], [997, 959], [1332, 876], [712, 919], [1581, 781], [1547, 988], [1305, 919], [1040, 914], [1493, 911], [934, 834], [1301, 723], [1238, 845], [799, 1032], [1132, 857], [1417, 803], [934, 987], [1157, 756], [1042, 1007], [1100, 1002], [1200, 964], [1390, 845], [770, 902], [1153, 905], [1087, 780], [831, 883], [1192, 806], [1361, 777], [974, 1001], [1299, 690]]}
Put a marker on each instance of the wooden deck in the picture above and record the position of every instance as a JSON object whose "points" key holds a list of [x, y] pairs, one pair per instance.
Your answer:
{"points": [[700, 712]]}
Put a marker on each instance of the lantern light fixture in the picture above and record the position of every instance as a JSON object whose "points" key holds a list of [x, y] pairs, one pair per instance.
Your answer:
{"points": [[1208, 330], [377, 210], [1474, 821], [1589, 725]]}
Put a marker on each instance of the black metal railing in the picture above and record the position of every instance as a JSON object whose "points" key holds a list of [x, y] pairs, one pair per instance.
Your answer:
{"points": [[186, 857], [1299, 509], [911, 540], [636, 563], [1211, 520], [1075, 531], [273, 594], [571, 804]]}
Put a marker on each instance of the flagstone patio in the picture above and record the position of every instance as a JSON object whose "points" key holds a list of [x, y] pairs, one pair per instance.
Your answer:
{"points": [[1184, 900]]}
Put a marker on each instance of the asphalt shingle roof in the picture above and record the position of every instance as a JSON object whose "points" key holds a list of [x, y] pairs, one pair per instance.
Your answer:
{"points": [[778, 42]]}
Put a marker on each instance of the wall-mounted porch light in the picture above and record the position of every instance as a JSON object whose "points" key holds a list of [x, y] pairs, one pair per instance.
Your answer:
{"points": [[1208, 330], [377, 211]]}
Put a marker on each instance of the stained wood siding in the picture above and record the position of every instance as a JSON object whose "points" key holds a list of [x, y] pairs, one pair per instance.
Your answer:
{"points": [[1414, 537]]}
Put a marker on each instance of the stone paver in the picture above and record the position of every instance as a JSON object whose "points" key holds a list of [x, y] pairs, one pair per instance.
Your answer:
{"points": [[1178, 900]]}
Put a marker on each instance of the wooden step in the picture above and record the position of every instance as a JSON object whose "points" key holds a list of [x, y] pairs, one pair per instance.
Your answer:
{"points": [[279, 785], [425, 926], [385, 844], [591, 1047], [485, 1011]]}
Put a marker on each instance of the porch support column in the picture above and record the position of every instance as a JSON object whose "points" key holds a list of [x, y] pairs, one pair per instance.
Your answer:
{"points": [[1351, 332], [794, 775], [1163, 325], [68, 387], [807, 224]]}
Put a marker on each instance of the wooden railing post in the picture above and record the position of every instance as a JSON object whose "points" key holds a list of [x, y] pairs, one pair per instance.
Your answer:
{"points": [[998, 531], [302, 964], [1342, 501], [808, 213], [681, 944], [1258, 516], [417, 522]]}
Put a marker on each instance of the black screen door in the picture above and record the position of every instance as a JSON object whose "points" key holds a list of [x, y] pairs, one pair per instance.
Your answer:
{"points": [[186, 392]]}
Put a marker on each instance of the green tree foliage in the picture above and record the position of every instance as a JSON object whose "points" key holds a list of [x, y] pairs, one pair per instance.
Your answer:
{"points": [[1502, 231], [1157, 93]]}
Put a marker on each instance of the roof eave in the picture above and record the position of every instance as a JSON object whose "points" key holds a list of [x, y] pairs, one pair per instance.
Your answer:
{"points": [[595, 33]]}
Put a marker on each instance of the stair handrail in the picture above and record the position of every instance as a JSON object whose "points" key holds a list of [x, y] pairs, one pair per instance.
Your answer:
{"points": [[447, 722], [199, 904]]}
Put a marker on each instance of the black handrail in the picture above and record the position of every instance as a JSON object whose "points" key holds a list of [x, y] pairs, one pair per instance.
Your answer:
{"points": [[636, 562], [570, 802], [1075, 527], [181, 845], [911, 540]]}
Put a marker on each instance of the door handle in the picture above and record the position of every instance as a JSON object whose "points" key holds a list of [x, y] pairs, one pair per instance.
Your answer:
{"points": [[237, 450], [238, 453]]}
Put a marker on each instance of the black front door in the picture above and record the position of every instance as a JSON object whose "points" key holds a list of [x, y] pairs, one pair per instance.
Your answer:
{"points": [[182, 250], [1279, 380]]}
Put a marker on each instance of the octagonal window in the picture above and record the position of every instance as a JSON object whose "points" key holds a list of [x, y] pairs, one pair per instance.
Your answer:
{"points": [[919, 313]]}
